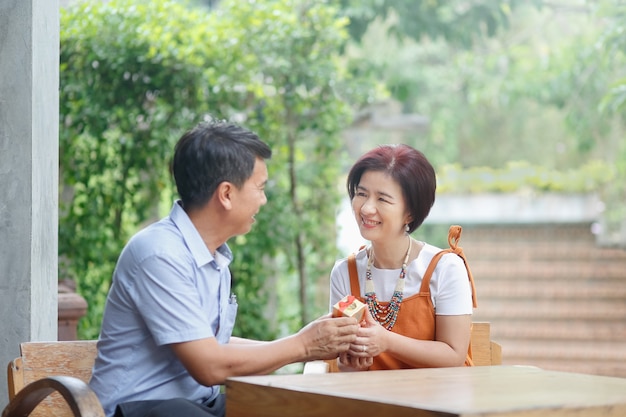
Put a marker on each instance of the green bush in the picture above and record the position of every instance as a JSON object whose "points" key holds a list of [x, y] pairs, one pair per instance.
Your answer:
{"points": [[591, 177], [130, 83], [135, 74]]}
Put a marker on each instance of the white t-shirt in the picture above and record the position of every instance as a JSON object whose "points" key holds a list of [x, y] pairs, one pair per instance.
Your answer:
{"points": [[450, 287]]}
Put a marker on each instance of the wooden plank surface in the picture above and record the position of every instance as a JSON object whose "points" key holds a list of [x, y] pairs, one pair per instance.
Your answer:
{"points": [[481, 344], [15, 377], [43, 359], [496, 391], [246, 400], [73, 358]]}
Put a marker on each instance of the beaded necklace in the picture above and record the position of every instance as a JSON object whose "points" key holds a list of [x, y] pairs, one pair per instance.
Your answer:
{"points": [[386, 315]]}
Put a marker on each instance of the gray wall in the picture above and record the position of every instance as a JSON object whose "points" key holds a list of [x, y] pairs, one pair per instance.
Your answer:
{"points": [[29, 126]]}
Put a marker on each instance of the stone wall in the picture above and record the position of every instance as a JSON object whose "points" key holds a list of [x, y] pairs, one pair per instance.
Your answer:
{"points": [[554, 297]]}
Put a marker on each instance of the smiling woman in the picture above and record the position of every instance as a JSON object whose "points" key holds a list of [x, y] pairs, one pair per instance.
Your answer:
{"points": [[392, 189]]}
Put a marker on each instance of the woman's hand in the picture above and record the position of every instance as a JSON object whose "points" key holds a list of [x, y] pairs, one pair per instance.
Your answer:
{"points": [[370, 342], [371, 338]]}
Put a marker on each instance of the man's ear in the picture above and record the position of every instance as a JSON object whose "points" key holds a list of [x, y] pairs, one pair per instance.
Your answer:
{"points": [[223, 193]]}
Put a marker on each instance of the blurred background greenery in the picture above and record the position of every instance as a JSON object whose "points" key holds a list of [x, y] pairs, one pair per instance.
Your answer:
{"points": [[498, 94]]}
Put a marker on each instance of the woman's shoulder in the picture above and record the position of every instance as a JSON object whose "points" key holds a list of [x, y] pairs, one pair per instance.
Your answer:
{"points": [[360, 255], [429, 251]]}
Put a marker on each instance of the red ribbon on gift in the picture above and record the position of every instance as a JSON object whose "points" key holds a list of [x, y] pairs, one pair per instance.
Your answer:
{"points": [[344, 304]]}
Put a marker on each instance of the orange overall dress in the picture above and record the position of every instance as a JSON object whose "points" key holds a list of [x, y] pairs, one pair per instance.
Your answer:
{"points": [[416, 317]]}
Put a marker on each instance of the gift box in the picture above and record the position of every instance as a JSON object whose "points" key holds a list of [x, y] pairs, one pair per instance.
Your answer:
{"points": [[349, 306]]}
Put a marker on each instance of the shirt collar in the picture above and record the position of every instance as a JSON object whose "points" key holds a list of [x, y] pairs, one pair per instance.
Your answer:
{"points": [[196, 245]]}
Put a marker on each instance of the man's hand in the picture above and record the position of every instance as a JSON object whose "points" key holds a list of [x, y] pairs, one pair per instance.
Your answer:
{"points": [[327, 337], [349, 363]]}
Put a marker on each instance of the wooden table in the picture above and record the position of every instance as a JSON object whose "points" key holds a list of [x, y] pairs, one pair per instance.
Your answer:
{"points": [[485, 391]]}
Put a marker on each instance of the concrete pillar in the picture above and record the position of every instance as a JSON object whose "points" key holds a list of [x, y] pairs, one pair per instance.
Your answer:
{"points": [[29, 126]]}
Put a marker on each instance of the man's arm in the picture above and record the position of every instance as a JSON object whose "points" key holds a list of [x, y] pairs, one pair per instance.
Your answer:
{"points": [[211, 363], [241, 341]]}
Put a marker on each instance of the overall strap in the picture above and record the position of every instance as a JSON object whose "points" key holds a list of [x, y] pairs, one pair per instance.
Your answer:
{"points": [[454, 235], [355, 288]]}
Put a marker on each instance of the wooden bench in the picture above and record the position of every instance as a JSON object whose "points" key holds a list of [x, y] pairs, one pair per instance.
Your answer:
{"points": [[50, 378]]}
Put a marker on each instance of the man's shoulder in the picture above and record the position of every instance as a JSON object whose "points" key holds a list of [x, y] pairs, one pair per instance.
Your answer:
{"points": [[159, 237]]}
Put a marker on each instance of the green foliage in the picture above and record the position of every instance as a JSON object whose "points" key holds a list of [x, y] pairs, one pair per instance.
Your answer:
{"points": [[136, 73], [548, 88], [613, 44], [529, 93], [591, 177], [459, 22], [130, 83], [499, 81], [299, 91], [583, 77]]}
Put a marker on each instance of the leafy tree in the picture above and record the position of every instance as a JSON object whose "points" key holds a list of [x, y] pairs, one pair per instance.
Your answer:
{"points": [[544, 69], [535, 91], [613, 45], [581, 78], [135, 74], [458, 22], [465, 94], [130, 83], [300, 96]]}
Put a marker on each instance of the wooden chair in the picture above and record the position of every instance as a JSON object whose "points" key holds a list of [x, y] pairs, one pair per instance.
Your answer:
{"points": [[485, 352], [50, 379]]}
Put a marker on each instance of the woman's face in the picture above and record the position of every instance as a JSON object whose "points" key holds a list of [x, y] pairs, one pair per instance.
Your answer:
{"points": [[379, 207]]}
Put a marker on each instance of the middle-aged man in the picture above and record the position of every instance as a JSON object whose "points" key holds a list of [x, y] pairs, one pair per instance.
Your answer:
{"points": [[165, 346]]}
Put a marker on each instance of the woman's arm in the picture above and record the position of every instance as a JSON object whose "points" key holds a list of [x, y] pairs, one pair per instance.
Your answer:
{"points": [[452, 338]]}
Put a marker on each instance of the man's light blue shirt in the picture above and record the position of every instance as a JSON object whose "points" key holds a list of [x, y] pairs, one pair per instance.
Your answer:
{"points": [[167, 288]]}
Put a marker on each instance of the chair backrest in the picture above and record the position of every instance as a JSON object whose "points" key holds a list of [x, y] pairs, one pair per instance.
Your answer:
{"points": [[485, 352], [43, 359]]}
